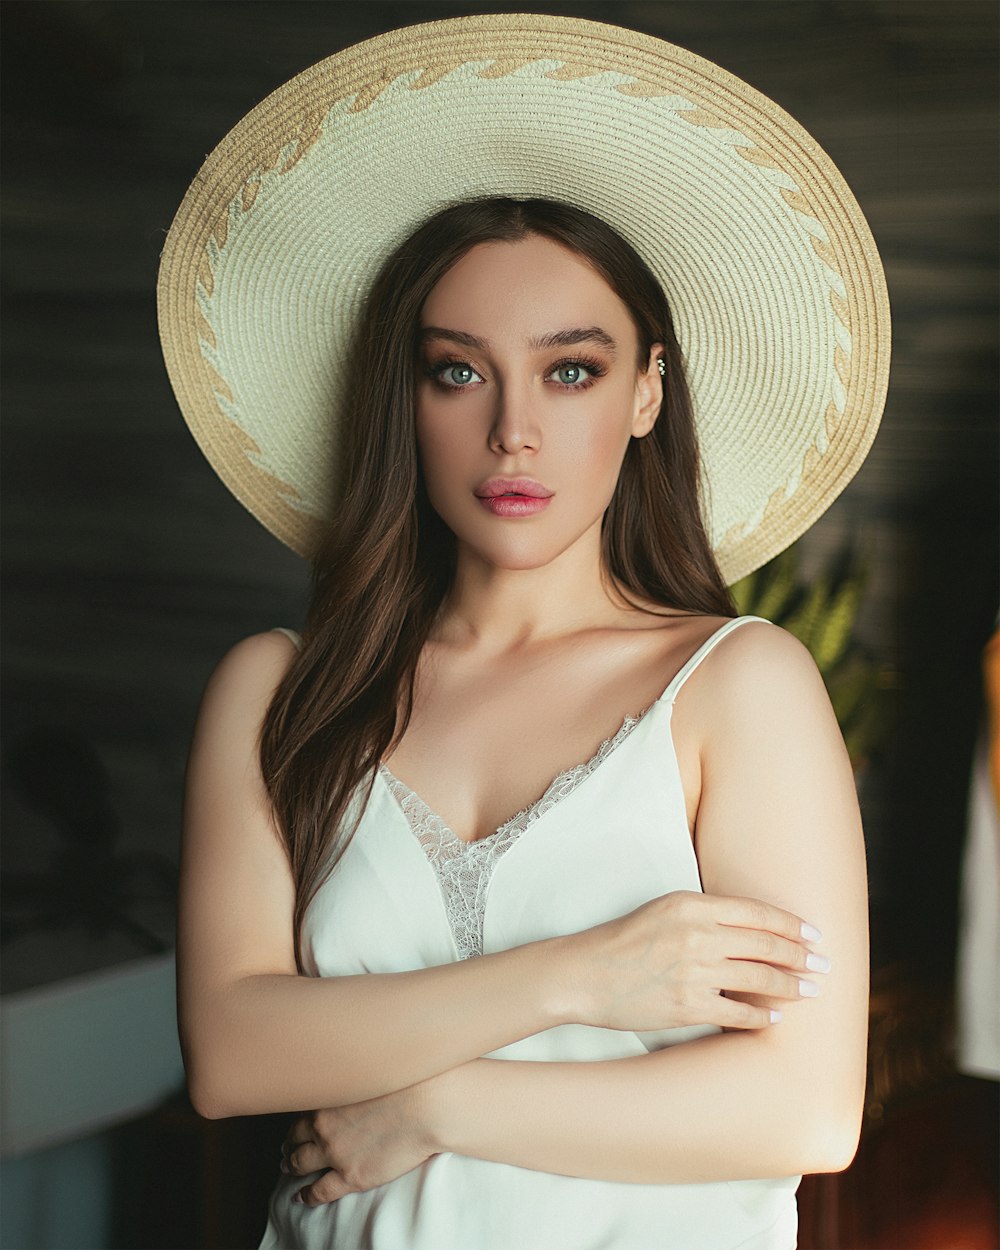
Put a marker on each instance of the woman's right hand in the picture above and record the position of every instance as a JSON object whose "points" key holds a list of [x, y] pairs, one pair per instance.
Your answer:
{"points": [[668, 963]]}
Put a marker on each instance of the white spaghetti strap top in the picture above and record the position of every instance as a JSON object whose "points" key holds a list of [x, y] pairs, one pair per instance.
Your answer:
{"points": [[464, 868], [607, 836], [710, 643], [289, 633]]}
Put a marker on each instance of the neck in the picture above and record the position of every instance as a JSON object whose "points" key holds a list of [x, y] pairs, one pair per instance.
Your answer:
{"points": [[499, 610]]}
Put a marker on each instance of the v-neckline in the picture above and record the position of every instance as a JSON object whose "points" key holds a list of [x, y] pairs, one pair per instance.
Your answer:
{"points": [[524, 817]]}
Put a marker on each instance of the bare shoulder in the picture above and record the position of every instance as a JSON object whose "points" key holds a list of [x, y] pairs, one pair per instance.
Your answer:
{"points": [[759, 673], [244, 681], [760, 651], [253, 667]]}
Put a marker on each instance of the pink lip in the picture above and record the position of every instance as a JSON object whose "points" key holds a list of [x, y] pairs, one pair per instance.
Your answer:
{"points": [[514, 505], [513, 486]]}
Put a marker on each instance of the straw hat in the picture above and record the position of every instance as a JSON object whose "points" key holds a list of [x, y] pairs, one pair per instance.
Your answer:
{"points": [[775, 283]]}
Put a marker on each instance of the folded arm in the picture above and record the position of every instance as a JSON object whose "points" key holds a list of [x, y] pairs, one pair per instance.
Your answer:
{"points": [[257, 1037], [778, 820]]}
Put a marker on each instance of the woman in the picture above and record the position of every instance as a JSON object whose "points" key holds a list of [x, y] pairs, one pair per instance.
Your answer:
{"points": [[516, 585]]}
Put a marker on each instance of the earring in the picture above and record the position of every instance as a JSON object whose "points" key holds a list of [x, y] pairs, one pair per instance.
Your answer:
{"points": [[661, 364]]}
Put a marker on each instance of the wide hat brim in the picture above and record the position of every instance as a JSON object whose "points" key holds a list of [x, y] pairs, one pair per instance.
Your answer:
{"points": [[776, 286]]}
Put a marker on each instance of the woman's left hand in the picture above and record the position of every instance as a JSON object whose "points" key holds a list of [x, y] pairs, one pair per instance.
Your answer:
{"points": [[364, 1144]]}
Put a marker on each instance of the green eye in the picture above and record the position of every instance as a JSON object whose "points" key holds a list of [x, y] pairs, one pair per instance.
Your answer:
{"points": [[452, 375], [576, 375]]}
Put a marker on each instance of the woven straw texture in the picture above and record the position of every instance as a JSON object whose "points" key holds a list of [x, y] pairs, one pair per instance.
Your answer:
{"points": [[775, 283]]}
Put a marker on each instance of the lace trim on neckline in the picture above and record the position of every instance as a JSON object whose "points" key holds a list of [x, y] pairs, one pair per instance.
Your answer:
{"points": [[464, 868]]}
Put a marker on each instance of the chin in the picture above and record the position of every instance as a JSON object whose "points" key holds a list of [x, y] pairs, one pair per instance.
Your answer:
{"points": [[516, 562], [518, 544], [519, 552]]}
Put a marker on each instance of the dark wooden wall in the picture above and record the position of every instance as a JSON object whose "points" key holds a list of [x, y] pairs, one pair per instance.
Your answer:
{"points": [[128, 567]]}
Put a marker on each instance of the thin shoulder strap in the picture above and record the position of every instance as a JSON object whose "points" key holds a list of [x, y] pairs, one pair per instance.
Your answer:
{"points": [[296, 638], [686, 669]]}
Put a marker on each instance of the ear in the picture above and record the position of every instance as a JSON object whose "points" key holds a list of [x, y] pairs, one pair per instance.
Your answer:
{"points": [[648, 393]]}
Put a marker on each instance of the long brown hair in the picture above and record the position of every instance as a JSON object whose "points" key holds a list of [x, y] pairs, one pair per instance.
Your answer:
{"points": [[386, 561]]}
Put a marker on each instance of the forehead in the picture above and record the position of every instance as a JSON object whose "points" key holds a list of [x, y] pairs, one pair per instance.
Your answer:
{"points": [[534, 283]]}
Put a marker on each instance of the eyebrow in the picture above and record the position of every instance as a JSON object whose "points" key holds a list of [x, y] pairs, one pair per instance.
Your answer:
{"points": [[558, 338]]}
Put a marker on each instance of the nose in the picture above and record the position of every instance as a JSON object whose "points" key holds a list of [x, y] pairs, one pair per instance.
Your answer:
{"points": [[515, 422]]}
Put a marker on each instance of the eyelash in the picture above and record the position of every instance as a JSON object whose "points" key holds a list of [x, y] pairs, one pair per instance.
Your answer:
{"points": [[595, 368]]}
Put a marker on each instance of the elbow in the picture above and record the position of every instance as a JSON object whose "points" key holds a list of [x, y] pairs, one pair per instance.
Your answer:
{"points": [[831, 1144], [214, 1101], [206, 1085], [204, 1105], [217, 1081], [204, 1094], [842, 1148], [829, 1116]]}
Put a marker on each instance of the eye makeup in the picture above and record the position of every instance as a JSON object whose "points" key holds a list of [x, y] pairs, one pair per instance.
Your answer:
{"points": [[436, 370], [596, 369]]}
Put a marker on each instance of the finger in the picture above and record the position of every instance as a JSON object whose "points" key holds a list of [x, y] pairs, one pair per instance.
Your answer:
{"points": [[731, 1013], [309, 1157], [288, 1148], [754, 913], [330, 1186], [758, 1000], [302, 1129], [765, 947], [754, 978]]}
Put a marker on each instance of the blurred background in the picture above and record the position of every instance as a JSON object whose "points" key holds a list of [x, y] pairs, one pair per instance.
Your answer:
{"points": [[129, 570]]}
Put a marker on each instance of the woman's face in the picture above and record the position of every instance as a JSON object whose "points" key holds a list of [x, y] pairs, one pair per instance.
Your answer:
{"points": [[527, 371]]}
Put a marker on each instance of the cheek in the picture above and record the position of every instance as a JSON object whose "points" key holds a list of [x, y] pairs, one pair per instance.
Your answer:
{"points": [[593, 449], [442, 456], [432, 443]]}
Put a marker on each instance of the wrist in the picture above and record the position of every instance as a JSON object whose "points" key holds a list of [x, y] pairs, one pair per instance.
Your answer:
{"points": [[562, 980], [440, 1095]]}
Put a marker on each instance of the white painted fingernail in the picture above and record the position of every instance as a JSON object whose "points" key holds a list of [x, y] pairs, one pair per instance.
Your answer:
{"points": [[775, 1016], [808, 989], [817, 963], [810, 932]]}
